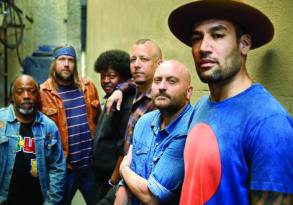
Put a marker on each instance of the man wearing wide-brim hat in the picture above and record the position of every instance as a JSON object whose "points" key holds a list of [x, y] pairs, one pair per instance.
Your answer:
{"points": [[239, 147]]}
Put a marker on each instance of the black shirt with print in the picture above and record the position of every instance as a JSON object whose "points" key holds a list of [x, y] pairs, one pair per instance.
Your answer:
{"points": [[24, 185]]}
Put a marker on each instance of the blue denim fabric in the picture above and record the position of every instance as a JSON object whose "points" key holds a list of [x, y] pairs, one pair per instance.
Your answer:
{"points": [[157, 155], [51, 164], [84, 181]]}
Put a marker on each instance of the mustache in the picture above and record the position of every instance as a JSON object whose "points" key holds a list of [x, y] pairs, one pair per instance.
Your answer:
{"points": [[162, 94], [108, 85], [27, 102]]}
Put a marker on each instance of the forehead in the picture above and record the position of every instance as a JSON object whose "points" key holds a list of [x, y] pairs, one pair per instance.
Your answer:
{"points": [[167, 69], [146, 49], [212, 23], [109, 71], [24, 82], [65, 57]]}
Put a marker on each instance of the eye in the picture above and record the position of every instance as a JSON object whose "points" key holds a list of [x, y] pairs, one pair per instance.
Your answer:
{"points": [[132, 60], [196, 38], [157, 80], [172, 80], [112, 76], [19, 91], [144, 59], [217, 35]]}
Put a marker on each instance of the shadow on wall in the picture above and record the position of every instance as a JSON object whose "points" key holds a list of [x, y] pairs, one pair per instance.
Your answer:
{"points": [[268, 73], [38, 64]]}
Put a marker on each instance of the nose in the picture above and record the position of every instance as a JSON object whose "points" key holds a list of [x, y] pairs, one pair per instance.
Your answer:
{"points": [[205, 45], [162, 85], [26, 94], [66, 62], [107, 79], [137, 63]]}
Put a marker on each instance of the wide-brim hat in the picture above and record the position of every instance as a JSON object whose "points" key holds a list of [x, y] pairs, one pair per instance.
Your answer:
{"points": [[253, 21]]}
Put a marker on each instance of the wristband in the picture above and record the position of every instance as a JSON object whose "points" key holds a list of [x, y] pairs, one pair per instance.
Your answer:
{"points": [[110, 183]]}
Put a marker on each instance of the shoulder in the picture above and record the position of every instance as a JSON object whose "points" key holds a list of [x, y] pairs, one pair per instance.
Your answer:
{"points": [[147, 119], [46, 121], [262, 103], [4, 112]]}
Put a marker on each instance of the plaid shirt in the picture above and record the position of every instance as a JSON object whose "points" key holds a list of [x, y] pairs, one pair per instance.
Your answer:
{"points": [[142, 104]]}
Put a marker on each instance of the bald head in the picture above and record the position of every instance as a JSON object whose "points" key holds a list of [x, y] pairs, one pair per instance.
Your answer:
{"points": [[171, 87], [25, 97], [174, 67], [155, 49], [145, 56], [22, 78]]}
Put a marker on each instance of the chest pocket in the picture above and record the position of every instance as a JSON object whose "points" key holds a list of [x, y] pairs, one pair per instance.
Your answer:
{"points": [[141, 157]]}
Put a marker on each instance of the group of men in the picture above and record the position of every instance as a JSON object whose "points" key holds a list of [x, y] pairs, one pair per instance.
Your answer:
{"points": [[233, 147]]}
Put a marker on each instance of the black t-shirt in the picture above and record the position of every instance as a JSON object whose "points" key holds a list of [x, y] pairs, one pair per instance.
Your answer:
{"points": [[24, 186]]}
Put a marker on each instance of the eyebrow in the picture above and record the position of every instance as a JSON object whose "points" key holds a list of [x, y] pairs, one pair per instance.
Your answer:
{"points": [[212, 29], [218, 28]]}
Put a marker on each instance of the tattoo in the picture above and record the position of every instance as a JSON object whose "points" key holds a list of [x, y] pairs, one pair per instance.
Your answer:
{"points": [[271, 198]]}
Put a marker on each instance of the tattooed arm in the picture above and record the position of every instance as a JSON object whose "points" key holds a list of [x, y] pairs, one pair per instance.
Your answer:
{"points": [[271, 198]]}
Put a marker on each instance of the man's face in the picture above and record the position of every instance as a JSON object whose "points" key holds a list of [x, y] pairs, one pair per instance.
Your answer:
{"points": [[25, 95], [64, 68], [143, 63], [109, 79], [215, 51], [170, 88]]}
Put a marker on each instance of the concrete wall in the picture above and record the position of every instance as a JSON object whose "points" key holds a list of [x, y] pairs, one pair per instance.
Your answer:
{"points": [[117, 24], [55, 22]]}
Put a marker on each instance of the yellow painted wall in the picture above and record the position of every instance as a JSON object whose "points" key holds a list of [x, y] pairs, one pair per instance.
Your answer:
{"points": [[118, 23]]}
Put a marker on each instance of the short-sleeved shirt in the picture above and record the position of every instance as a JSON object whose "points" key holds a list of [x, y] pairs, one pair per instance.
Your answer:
{"points": [[240, 144], [157, 155]]}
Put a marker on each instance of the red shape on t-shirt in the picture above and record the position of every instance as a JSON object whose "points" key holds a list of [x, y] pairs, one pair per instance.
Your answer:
{"points": [[202, 166]]}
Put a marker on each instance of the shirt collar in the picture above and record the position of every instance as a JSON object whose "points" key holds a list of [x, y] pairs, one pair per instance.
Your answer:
{"points": [[12, 117], [155, 124]]}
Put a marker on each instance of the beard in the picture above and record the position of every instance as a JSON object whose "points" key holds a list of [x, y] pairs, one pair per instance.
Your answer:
{"points": [[24, 110], [66, 76], [168, 106], [222, 73]]}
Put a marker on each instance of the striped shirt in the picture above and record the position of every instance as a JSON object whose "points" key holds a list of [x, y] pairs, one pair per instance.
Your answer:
{"points": [[79, 139]]}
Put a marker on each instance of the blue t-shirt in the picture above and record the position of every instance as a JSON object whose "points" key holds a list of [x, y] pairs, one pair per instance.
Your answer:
{"points": [[240, 144], [157, 155]]}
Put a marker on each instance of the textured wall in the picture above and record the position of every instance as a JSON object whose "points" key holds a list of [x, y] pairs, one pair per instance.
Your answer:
{"points": [[117, 24], [55, 22]]}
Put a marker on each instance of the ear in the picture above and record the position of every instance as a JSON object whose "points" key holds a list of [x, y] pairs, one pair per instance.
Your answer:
{"points": [[245, 44], [160, 61], [189, 92]]}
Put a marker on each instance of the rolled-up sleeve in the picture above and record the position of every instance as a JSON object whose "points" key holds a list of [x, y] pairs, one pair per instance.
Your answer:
{"points": [[167, 176]]}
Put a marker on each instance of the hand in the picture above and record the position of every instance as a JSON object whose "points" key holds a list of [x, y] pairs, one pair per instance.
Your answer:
{"points": [[126, 160], [116, 97], [121, 197]]}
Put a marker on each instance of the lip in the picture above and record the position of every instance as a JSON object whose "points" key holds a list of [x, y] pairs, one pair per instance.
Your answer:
{"points": [[206, 62], [138, 73], [26, 105], [161, 97]]}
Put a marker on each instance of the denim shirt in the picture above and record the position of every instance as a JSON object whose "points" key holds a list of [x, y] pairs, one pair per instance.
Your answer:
{"points": [[51, 164], [157, 155]]}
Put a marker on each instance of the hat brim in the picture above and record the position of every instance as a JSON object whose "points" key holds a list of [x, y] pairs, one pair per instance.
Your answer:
{"points": [[253, 21]]}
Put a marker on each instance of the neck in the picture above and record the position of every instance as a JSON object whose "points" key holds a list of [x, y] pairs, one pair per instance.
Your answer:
{"points": [[168, 116], [144, 87], [64, 83], [224, 90], [25, 118]]}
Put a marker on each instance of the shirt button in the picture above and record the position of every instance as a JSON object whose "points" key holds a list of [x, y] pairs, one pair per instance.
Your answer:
{"points": [[155, 158], [137, 152], [157, 144]]}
